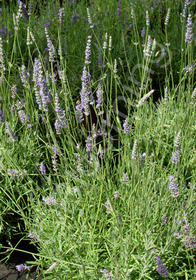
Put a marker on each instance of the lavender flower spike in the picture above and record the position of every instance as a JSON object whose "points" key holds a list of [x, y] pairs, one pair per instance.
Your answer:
{"points": [[173, 187], [85, 92], [134, 151], [18, 16], [167, 16], [24, 75], [177, 140], [42, 168], [50, 46], [143, 99], [61, 120], [88, 51], [42, 94], [100, 99], [61, 15], [189, 29], [126, 126], [2, 64], [177, 154], [79, 112], [161, 268]]}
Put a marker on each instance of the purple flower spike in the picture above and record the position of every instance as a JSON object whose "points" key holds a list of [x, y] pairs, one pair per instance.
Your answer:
{"points": [[161, 268], [88, 51], [42, 168], [143, 32], [173, 187], [126, 126], [189, 29]]}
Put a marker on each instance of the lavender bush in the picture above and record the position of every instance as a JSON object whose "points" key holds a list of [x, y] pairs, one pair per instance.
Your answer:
{"points": [[102, 176]]}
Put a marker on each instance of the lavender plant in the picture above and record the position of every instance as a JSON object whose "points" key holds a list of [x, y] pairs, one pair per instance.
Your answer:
{"points": [[96, 206]]}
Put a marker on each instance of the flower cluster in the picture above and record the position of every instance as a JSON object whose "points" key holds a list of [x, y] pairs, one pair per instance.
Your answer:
{"points": [[188, 68], [161, 268], [116, 194], [142, 158], [100, 99], [61, 15], [189, 29], [18, 15], [89, 18], [167, 16], [177, 154], [15, 173], [42, 168], [25, 12], [54, 158], [166, 96], [61, 120], [50, 46], [147, 18], [2, 64], [147, 49], [108, 207], [134, 151], [33, 235], [125, 178], [110, 43], [88, 51], [107, 274], [126, 126], [41, 92], [143, 32], [164, 220], [85, 97], [29, 41], [185, 235], [105, 43], [22, 267], [24, 75], [89, 143], [143, 99], [173, 187], [49, 200], [23, 117]]}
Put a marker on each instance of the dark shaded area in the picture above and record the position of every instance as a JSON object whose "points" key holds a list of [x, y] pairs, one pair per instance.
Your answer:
{"points": [[8, 268]]}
